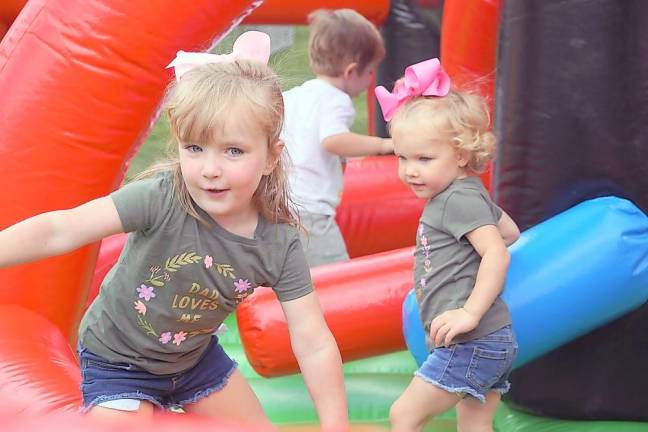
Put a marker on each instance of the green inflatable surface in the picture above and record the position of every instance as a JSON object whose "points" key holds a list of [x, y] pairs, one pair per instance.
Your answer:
{"points": [[372, 385]]}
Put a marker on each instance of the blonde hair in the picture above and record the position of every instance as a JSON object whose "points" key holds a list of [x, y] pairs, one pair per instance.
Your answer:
{"points": [[461, 116], [341, 37], [197, 106]]}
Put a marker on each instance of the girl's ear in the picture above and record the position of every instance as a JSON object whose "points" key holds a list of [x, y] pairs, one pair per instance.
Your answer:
{"points": [[274, 154], [463, 157]]}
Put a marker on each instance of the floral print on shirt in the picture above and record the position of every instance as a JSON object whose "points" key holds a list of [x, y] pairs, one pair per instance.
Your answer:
{"points": [[158, 278]]}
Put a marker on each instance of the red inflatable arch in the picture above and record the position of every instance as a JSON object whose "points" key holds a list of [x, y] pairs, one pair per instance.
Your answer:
{"points": [[81, 82]]}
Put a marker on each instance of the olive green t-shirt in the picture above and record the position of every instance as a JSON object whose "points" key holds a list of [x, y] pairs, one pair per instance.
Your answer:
{"points": [[445, 262], [176, 280]]}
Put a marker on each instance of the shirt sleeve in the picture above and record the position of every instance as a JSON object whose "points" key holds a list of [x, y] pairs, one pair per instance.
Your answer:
{"points": [[142, 204], [337, 117], [294, 281], [467, 210]]}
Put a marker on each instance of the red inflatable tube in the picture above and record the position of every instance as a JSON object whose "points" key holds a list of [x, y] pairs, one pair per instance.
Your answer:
{"points": [[362, 301], [9, 10], [13, 421], [109, 252], [80, 82], [271, 12], [39, 372], [468, 46], [378, 212], [296, 12]]}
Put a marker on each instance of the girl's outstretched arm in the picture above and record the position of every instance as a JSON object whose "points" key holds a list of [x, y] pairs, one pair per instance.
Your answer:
{"points": [[319, 360], [58, 232]]}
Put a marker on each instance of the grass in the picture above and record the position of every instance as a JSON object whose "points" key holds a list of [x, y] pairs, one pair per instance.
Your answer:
{"points": [[290, 64]]}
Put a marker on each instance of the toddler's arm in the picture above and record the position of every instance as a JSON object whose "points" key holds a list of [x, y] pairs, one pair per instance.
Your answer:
{"points": [[508, 228], [351, 144], [319, 360], [488, 242], [58, 232]]}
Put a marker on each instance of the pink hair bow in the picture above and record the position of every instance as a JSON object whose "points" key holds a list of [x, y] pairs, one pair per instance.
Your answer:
{"points": [[426, 78], [251, 45]]}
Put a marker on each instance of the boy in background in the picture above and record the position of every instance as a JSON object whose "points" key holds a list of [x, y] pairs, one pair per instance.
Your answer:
{"points": [[344, 49]]}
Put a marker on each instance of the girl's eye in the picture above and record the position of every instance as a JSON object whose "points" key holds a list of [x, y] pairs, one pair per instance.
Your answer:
{"points": [[233, 151], [425, 159], [192, 148]]}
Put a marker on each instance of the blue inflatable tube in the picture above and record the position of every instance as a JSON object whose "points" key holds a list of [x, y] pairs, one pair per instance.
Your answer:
{"points": [[569, 275]]}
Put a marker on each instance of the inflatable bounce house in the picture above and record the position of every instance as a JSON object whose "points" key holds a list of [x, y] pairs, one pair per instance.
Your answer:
{"points": [[82, 81]]}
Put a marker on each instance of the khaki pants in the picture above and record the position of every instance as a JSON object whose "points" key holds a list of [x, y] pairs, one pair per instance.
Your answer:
{"points": [[322, 241]]}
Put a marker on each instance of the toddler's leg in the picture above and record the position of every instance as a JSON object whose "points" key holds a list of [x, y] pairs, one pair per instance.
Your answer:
{"points": [[420, 401], [474, 416], [236, 401]]}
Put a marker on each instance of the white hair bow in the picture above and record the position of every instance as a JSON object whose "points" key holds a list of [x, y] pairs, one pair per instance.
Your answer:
{"points": [[251, 45]]}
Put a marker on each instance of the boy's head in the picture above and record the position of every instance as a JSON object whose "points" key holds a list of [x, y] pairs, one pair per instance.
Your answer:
{"points": [[343, 42]]}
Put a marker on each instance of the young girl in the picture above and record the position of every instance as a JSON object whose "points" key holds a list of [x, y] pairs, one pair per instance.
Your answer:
{"points": [[442, 140], [207, 228]]}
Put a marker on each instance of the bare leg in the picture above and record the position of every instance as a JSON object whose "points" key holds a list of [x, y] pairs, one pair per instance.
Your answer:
{"points": [[420, 401], [109, 415], [236, 402], [473, 416]]}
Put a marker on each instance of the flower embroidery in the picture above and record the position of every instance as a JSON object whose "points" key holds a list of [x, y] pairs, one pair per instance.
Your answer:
{"points": [[146, 292], [179, 337], [422, 282], [140, 307], [165, 338], [420, 230], [208, 261], [424, 240], [242, 286]]}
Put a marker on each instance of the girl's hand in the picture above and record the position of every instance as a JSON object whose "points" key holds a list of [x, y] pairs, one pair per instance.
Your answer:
{"points": [[451, 323]]}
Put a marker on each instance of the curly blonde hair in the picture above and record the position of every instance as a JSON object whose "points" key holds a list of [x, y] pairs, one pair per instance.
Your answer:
{"points": [[462, 117], [198, 104]]}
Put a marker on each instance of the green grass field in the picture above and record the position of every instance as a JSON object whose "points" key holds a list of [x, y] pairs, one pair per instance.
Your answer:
{"points": [[292, 67]]}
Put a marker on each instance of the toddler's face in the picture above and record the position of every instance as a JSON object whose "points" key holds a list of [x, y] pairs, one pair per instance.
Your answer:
{"points": [[426, 164]]}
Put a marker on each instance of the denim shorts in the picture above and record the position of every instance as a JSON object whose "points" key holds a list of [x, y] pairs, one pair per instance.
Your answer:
{"points": [[473, 368], [116, 384]]}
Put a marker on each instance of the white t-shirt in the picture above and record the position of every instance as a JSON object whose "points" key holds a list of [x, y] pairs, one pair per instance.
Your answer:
{"points": [[314, 111]]}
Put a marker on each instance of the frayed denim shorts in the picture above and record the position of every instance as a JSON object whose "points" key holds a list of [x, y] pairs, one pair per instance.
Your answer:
{"points": [[122, 385], [473, 368]]}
